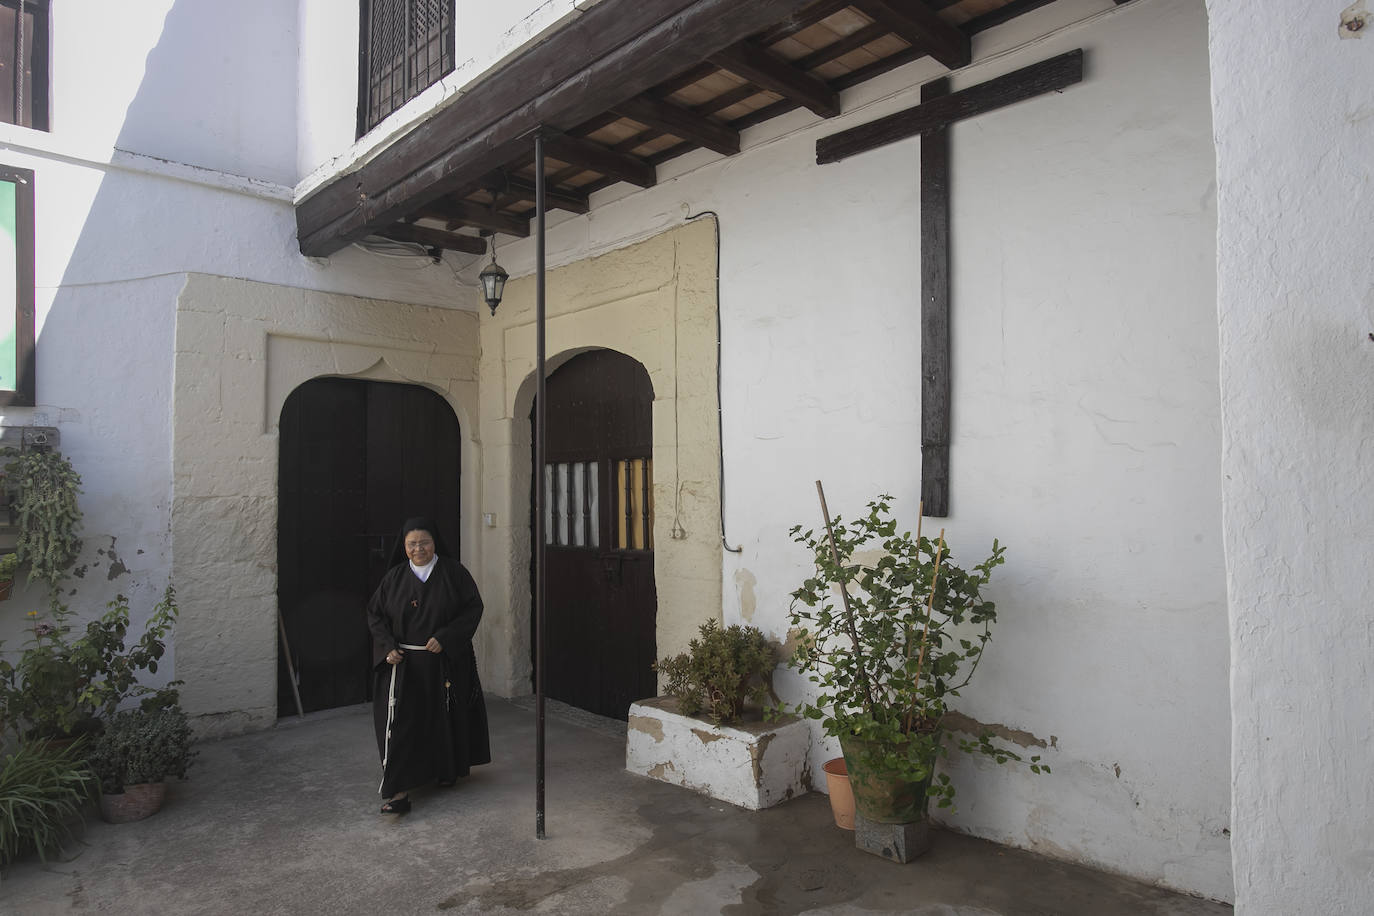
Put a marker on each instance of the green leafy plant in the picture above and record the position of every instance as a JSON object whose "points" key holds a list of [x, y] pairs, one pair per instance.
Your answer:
{"points": [[47, 515], [888, 643], [42, 789], [720, 671], [62, 682], [143, 745], [9, 565]]}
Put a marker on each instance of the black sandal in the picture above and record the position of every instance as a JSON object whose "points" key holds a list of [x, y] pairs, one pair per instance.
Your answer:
{"points": [[397, 806]]}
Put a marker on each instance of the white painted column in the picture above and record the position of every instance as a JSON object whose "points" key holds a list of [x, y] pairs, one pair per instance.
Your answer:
{"points": [[1293, 104]]}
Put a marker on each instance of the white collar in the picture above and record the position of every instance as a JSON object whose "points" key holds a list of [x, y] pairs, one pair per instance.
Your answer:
{"points": [[423, 571]]}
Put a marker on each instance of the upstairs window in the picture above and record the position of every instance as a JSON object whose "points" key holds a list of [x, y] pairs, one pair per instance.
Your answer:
{"points": [[24, 63], [405, 47]]}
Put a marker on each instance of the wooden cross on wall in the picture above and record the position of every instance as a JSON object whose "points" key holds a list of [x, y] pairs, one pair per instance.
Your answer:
{"points": [[931, 119]]}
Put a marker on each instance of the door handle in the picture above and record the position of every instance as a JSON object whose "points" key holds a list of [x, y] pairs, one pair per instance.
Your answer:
{"points": [[611, 566]]}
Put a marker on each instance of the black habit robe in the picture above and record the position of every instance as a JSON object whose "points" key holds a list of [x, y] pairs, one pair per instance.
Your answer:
{"points": [[439, 726]]}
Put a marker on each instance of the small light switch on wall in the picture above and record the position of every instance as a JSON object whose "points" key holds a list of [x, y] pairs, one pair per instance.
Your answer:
{"points": [[489, 519]]}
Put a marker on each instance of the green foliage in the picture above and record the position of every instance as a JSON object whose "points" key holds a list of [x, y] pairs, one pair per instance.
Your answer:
{"points": [[42, 788], [911, 638], [720, 671], [143, 745], [63, 682], [47, 514], [9, 564]]}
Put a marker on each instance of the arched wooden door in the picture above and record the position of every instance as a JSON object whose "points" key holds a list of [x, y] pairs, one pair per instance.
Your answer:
{"points": [[356, 459], [601, 605]]}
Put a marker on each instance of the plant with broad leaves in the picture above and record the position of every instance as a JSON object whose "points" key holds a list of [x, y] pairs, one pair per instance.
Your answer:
{"points": [[63, 682], [888, 643]]}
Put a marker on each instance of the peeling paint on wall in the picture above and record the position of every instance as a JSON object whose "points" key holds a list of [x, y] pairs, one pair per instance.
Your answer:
{"points": [[705, 737], [962, 723], [1354, 20], [744, 588], [649, 726]]}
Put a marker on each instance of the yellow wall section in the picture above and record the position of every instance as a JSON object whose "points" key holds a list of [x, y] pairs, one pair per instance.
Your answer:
{"points": [[656, 302]]}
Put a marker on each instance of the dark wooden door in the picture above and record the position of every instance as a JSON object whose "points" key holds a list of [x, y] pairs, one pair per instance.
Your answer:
{"points": [[601, 605], [357, 459]]}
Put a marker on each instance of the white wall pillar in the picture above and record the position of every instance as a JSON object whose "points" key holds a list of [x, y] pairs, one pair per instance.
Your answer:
{"points": [[1293, 104]]}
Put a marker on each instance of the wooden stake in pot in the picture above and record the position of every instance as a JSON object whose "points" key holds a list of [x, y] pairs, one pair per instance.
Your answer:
{"points": [[844, 598]]}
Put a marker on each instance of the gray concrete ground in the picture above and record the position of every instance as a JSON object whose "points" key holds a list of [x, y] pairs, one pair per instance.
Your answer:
{"points": [[284, 821]]}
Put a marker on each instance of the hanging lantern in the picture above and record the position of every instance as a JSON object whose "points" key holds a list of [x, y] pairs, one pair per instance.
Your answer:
{"points": [[493, 280]]}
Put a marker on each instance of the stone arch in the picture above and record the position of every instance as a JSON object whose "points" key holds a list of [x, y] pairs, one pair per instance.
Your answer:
{"points": [[654, 302]]}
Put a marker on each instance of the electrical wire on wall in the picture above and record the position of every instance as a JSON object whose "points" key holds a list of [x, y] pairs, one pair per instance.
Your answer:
{"points": [[720, 416]]}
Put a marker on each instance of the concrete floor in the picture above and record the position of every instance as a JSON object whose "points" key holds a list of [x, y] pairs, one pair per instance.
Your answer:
{"points": [[284, 821]]}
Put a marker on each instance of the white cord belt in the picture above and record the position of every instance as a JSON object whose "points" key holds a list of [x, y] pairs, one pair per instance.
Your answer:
{"points": [[391, 709]]}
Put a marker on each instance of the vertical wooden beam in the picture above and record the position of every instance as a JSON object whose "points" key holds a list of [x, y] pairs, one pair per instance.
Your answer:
{"points": [[935, 296]]}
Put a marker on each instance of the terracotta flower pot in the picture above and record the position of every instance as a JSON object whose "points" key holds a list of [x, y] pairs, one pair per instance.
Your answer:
{"points": [[841, 795], [136, 802]]}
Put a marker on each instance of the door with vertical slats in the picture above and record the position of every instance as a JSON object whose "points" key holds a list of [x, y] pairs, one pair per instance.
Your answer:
{"points": [[601, 605]]}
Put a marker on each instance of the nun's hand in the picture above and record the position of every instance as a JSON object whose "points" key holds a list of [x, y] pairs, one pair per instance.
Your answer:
{"points": [[394, 657], [433, 645]]}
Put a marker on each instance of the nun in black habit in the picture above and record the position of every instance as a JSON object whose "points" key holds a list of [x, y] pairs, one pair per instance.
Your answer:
{"points": [[427, 702]]}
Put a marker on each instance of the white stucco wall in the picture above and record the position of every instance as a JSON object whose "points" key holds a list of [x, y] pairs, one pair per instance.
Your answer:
{"points": [[486, 36], [1086, 416], [171, 152], [1294, 121]]}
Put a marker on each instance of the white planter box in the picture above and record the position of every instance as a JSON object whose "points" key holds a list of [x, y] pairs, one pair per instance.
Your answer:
{"points": [[753, 764]]}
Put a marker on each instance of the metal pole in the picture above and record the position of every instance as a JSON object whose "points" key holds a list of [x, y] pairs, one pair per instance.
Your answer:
{"points": [[541, 406]]}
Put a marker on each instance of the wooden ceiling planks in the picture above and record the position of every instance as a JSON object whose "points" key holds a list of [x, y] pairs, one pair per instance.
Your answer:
{"points": [[626, 87]]}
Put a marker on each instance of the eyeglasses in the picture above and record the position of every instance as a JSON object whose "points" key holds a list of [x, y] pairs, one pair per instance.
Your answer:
{"points": [[419, 545]]}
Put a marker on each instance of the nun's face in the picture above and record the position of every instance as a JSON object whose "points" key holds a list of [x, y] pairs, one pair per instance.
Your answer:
{"points": [[419, 547]]}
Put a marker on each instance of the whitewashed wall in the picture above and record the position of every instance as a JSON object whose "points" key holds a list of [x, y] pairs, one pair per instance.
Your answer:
{"points": [[1086, 416], [172, 150], [1294, 110], [486, 35]]}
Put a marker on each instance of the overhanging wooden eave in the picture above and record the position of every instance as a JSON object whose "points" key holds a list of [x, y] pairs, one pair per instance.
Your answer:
{"points": [[617, 50], [623, 88]]}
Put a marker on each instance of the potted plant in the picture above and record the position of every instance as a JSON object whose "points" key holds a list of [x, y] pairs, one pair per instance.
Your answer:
{"points": [[66, 679], [888, 644], [42, 790], [46, 513], [138, 749], [721, 671], [703, 734], [9, 565]]}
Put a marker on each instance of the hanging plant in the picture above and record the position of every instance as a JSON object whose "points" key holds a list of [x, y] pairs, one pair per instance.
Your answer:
{"points": [[47, 515]]}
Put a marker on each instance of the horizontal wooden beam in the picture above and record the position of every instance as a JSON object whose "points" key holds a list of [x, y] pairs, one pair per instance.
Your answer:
{"points": [[615, 54], [914, 22], [554, 198], [1028, 82], [466, 213], [597, 158], [800, 20], [766, 69], [433, 238], [681, 123]]}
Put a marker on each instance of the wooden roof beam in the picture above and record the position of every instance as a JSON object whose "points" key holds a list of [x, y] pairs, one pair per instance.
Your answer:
{"points": [[681, 123], [763, 68], [555, 198], [593, 157], [913, 21], [460, 212], [615, 50], [433, 238]]}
